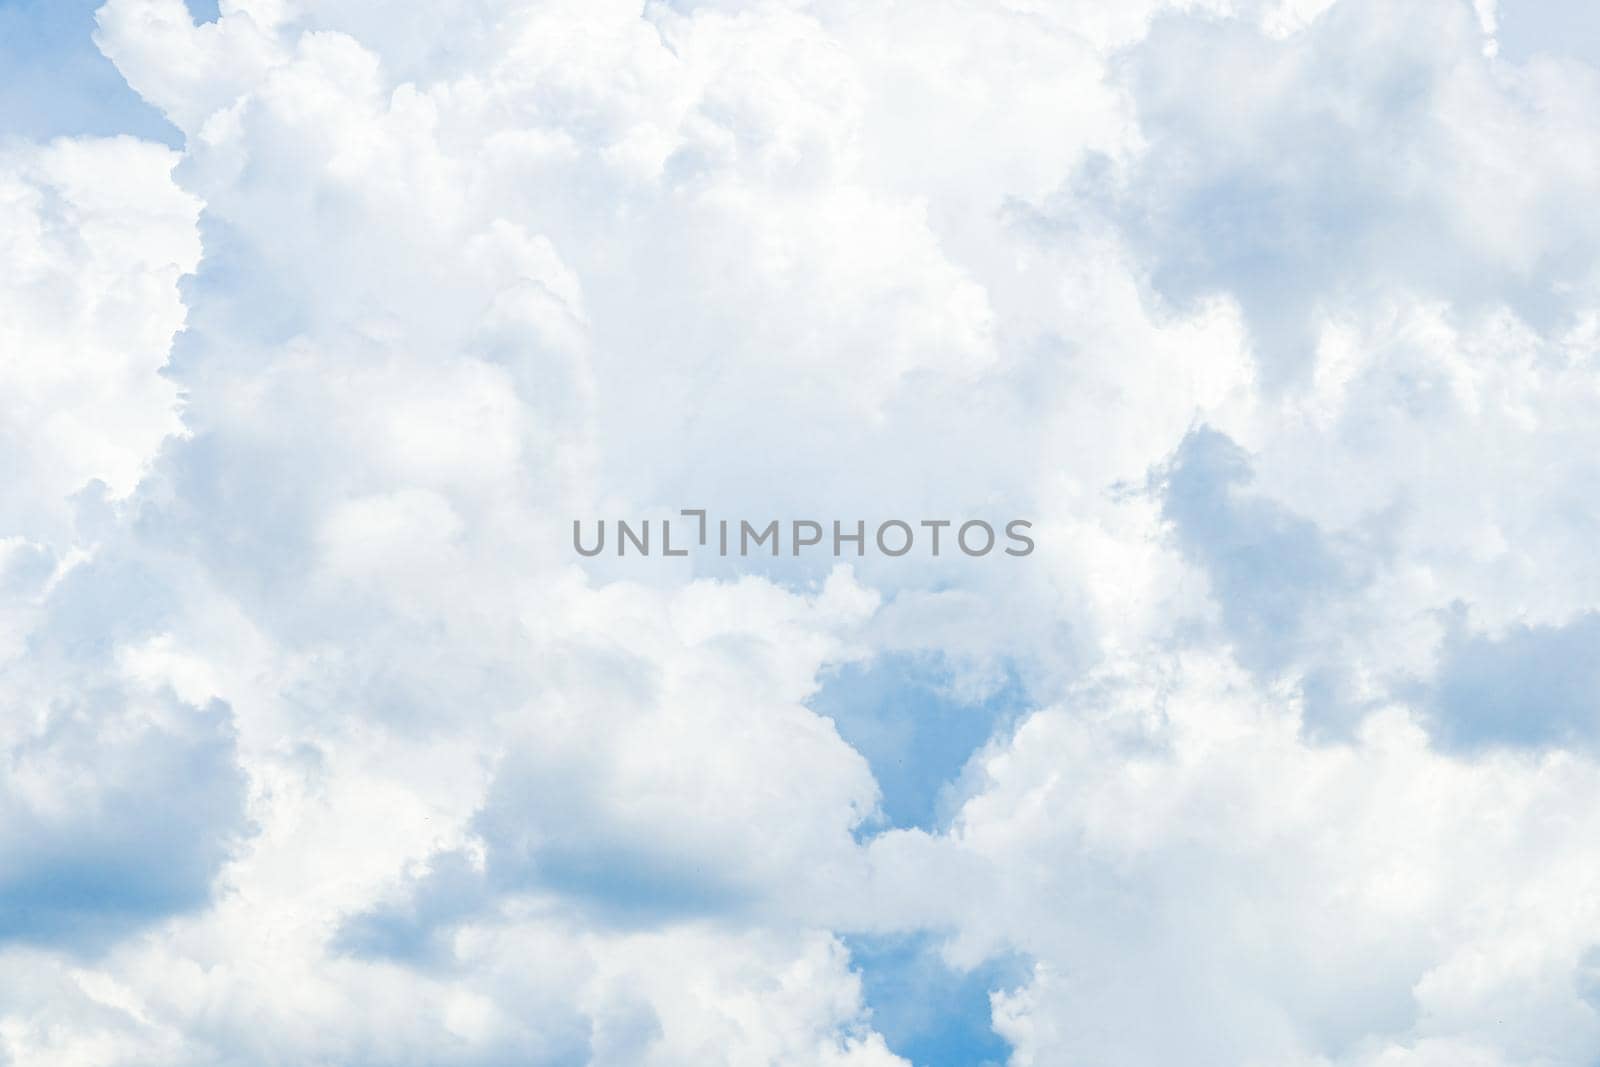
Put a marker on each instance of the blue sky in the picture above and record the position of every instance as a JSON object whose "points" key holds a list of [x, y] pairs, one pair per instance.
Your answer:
{"points": [[56, 82], [910, 718], [1528, 27]]}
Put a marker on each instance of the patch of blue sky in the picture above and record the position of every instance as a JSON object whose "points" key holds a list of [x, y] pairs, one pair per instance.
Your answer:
{"points": [[927, 1011], [54, 82], [1569, 28], [916, 725]]}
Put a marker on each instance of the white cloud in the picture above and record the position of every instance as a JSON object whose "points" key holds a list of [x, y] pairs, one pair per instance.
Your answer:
{"points": [[1195, 879], [95, 237], [1277, 318]]}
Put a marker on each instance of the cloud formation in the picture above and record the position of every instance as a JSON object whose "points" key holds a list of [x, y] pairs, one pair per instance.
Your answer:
{"points": [[1277, 317]]}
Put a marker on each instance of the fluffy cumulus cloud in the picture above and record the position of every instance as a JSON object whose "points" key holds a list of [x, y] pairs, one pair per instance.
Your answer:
{"points": [[1279, 319]]}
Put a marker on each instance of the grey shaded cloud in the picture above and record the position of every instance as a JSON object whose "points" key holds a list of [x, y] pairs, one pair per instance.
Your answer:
{"points": [[410, 926], [114, 816], [1532, 686], [1270, 569], [1311, 174]]}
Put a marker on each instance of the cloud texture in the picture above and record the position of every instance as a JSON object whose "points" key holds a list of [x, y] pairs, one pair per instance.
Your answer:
{"points": [[1279, 318]]}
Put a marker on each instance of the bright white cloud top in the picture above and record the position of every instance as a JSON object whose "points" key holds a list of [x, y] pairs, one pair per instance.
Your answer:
{"points": [[319, 745]]}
